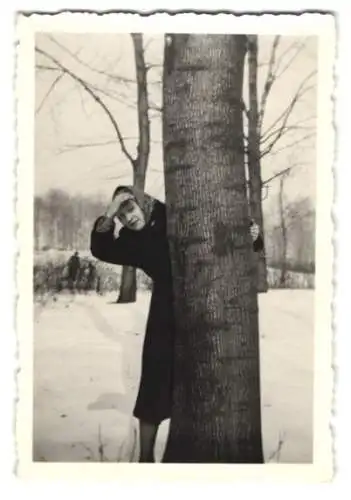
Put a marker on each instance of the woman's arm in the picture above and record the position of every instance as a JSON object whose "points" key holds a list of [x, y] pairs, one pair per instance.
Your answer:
{"points": [[258, 243], [104, 246]]}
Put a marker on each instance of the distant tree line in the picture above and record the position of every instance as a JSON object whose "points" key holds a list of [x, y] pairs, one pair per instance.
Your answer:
{"points": [[290, 234], [63, 221]]}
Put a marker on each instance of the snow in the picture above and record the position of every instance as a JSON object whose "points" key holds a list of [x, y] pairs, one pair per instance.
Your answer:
{"points": [[87, 353]]}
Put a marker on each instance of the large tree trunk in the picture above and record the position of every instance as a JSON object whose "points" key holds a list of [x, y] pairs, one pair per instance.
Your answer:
{"points": [[254, 163], [128, 288], [216, 415]]}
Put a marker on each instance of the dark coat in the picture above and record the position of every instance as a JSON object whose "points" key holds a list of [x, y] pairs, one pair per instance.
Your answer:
{"points": [[148, 250]]}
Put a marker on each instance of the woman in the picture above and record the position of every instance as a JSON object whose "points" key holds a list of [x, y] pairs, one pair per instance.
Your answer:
{"points": [[142, 243]]}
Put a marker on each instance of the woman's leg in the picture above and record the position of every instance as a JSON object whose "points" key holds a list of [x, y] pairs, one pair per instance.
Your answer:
{"points": [[147, 438]]}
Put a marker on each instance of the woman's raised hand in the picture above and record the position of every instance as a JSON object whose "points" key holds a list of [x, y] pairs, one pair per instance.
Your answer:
{"points": [[254, 231], [112, 209]]}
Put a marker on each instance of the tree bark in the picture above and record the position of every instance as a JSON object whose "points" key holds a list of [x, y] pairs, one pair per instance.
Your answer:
{"points": [[216, 415], [128, 288], [253, 160]]}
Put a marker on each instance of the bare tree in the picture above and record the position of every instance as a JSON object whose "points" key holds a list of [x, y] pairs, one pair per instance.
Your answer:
{"points": [[138, 162], [63, 221], [300, 223], [266, 140], [271, 135], [254, 159], [216, 403], [291, 238]]}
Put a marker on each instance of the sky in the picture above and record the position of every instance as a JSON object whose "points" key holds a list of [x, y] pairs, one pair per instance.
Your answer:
{"points": [[75, 145]]}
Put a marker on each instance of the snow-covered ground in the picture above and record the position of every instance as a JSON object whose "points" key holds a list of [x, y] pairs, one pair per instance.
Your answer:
{"points": [[87, 352]]}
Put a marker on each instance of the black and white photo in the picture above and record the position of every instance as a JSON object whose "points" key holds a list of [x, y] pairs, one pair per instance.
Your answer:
{"points": [[176, 187]]}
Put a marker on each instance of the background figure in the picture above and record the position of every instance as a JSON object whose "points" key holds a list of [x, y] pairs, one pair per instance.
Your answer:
{"points": [[73, 266], [87, 277], [91, 278]]}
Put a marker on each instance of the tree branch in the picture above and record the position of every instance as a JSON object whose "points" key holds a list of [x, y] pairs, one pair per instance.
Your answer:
{"points": [[273, 73], [155, 107], [112, 76], [96, 98], [82, 94], [287, 146], [278, 174], [284, 116], [51, 88], [46, 68], [73, 147], [270, 78], [68, 148], [299, 47], [112, 95], [153, 65], [294, 126]]}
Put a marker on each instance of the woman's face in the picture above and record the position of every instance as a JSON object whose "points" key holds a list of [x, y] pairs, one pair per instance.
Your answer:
{"points": [[131, 215]]}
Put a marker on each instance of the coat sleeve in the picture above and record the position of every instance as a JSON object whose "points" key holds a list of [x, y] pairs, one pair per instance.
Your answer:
{"points": [[258, 244], [104, 246]]}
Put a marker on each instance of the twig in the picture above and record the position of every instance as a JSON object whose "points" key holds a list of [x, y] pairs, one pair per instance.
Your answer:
{"points": [[293, 126], [89, 450], [300, 47], [278, 134], [270, 78], [155, 107], [276, 453], [301, 90], [74, 56], [287, 146], [72, 147], [81, 96], [46, 68], [283, 172], [51, 88], [265, 195]]}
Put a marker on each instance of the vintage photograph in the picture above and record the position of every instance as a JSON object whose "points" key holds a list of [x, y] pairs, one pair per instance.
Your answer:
{"points": [[174, 222]]}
